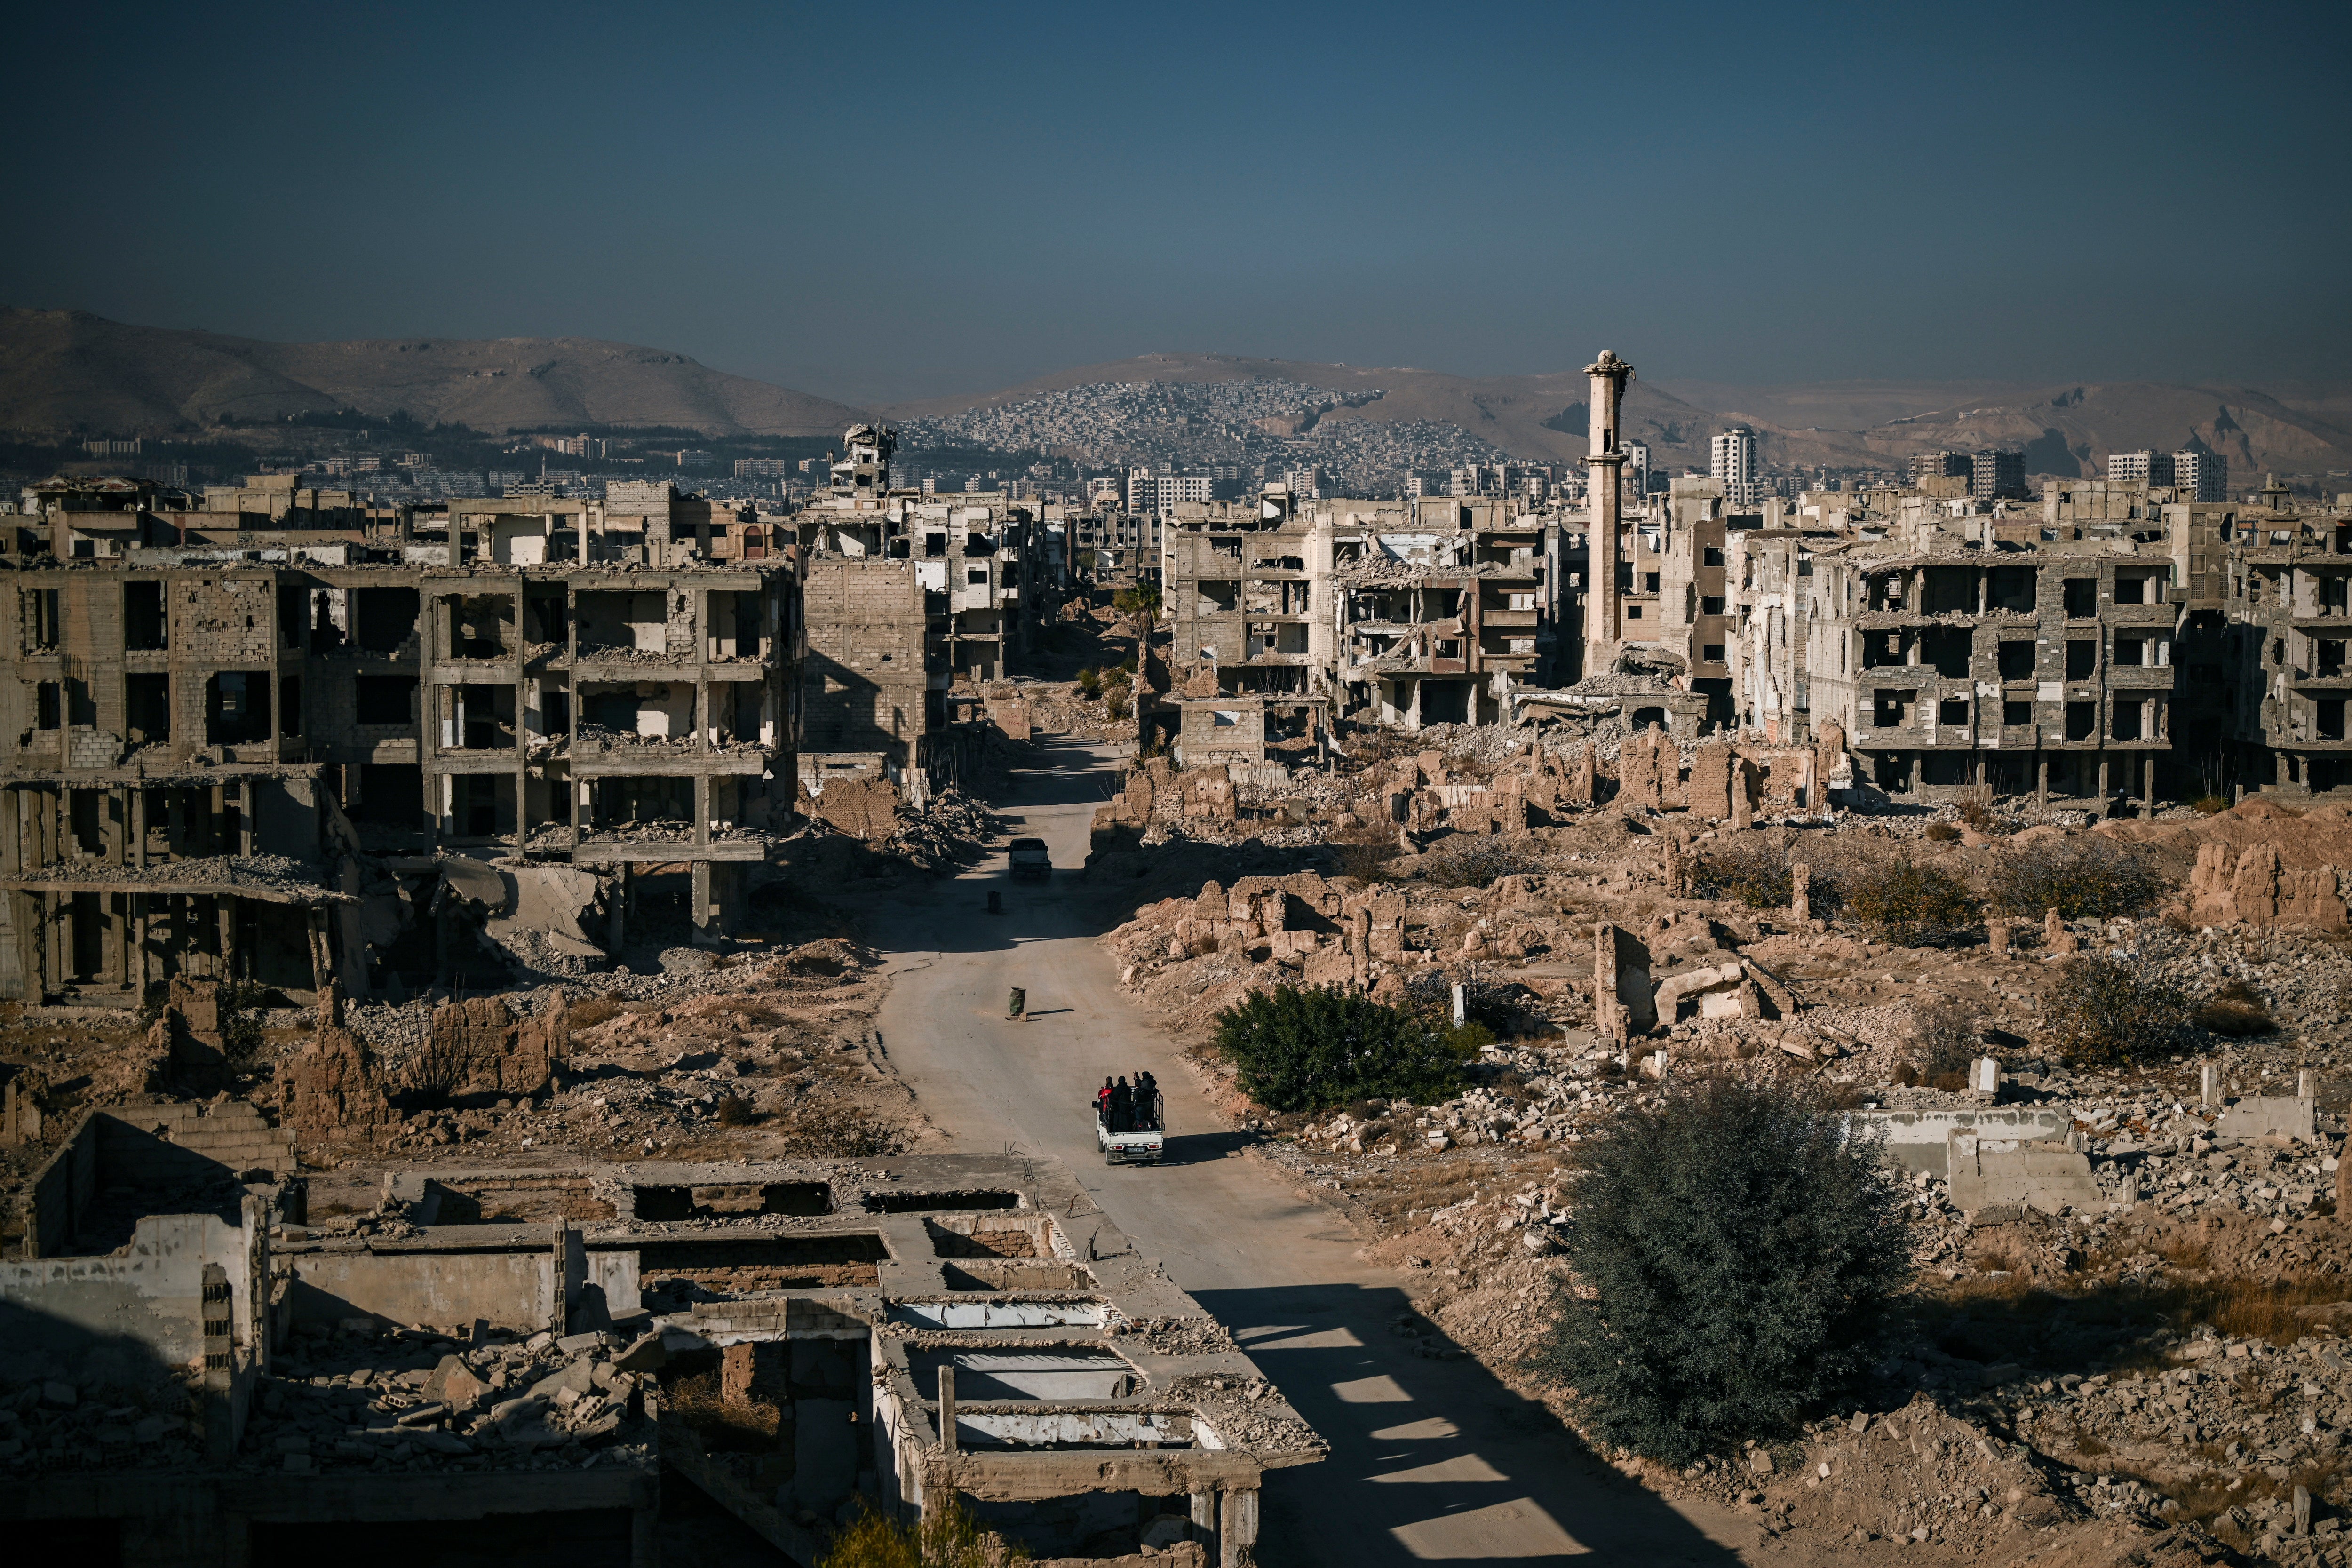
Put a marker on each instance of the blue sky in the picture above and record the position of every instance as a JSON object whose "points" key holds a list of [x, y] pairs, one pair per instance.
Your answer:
{"points": [[904, 200]]}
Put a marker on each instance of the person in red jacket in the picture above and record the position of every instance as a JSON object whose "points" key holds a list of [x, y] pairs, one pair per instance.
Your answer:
{"points": [[1102, 1102]]}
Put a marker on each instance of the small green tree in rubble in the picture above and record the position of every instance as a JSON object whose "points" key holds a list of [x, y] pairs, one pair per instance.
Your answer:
{"points": [[1733, 1250], [1296, 1048]]}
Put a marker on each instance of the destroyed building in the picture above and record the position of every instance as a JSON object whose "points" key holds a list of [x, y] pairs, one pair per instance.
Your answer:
{"points": [[1298, 612], [257, 754], [213, 1359], [915, 604]]}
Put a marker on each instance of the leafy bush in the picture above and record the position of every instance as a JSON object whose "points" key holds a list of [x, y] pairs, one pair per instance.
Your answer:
{"points": [[1089, 683], [2082, 879], [1309, 1049], [1914, 902], [1117, 703], [1740, 1252], [2235, 1010], [1751, 869], [2106, 1013]]}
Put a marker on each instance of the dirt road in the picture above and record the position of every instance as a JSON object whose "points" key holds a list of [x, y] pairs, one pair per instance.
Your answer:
{"points": [[1431, 1461]]}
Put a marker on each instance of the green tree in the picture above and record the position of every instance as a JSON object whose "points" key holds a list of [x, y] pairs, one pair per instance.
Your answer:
{"points": [[1736, 1252], [1308, 1048]]}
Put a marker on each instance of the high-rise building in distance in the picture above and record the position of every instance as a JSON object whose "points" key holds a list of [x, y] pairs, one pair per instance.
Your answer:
{"points": [[2205, 475], [2140, 467]]}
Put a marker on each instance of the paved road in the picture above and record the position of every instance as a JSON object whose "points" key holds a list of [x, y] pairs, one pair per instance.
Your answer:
{"points": [[1431, 1461]]}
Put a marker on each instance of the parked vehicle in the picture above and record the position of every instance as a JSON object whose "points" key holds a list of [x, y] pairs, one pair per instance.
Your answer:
{"points": [[1027, 858]]}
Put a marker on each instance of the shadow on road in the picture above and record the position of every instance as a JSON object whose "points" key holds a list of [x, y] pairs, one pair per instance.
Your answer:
{"points": [[1200, 1148], [1431, 1459]]}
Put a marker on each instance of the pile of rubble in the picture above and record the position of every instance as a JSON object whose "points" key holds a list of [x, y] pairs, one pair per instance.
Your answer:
{"points": [[361, 1397]]}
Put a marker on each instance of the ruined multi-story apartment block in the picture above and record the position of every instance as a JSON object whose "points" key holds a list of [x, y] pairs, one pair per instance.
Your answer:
{"points": [[249, 739], [915, 603], [2114, 644], [1288, 613]]}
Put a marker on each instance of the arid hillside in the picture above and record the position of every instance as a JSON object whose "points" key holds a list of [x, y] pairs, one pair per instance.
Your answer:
{"points": [[69, 370]]}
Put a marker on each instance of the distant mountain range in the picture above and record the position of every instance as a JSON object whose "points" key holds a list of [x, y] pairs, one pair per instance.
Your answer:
{"points": [[71, 371]]}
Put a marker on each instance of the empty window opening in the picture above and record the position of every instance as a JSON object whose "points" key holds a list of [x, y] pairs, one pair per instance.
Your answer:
{"points": [[388, 795], [386, 616], [479, 718], [609, 623], [2016, 660], [2014, 714], [2130, 717], [480, 625], [2082, 598], [47, 705], [2082, 721], [290, 706], [236, 708], [146, 626], [386, 699], [2082, 661], [2011, 588], [1952, 710], [2331, 718], [1948, 648], [147, 708]]}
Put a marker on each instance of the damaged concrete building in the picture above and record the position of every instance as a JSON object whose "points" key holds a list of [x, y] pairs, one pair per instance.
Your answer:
{"points": [[212, 1359], [916, 605], [1291, 613], [254, 755]]}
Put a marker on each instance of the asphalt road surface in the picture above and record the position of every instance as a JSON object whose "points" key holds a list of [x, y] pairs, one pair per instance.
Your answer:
{"points": [[1430, 1461]]}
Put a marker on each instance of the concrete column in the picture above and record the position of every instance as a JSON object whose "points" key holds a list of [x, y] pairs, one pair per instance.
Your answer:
{"points": [[2102, 782], [705, 928], [1205, 1523], [947, 1409], [1237, 1531], [2041, 778]]}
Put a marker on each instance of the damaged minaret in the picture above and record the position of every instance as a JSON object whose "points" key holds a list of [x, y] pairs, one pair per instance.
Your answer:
{"points": [[1604, 492]]}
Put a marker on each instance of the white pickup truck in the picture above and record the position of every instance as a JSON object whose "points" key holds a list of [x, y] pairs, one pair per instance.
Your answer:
{"points": [[1027, 858], [1141, 1144]]}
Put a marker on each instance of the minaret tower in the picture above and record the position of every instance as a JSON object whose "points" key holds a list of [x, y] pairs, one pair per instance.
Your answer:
{"points": [[1604, 493]]}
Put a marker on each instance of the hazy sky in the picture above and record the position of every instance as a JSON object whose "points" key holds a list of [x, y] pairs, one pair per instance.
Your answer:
{"points": [[872, 201]]}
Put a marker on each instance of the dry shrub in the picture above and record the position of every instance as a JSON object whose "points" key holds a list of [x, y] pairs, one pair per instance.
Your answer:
{"points": [[734, 1111], [945, 1536], [2270, 1309], [1977, 812], [589, 1014], [1365, 856], [2087, 878], [1913, 902], [2235, 1010], [694, 1401], [2212, 805], [1463, 861], [1943, 1041], [1943, 833], [2107, 1013], [2185, 1252], [1751, 869]]}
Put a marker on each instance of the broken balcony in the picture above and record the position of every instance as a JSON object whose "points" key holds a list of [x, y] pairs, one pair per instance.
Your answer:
{"points": [[635, 718]]}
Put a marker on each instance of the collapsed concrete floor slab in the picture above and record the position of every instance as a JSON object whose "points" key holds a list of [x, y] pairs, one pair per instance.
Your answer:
{"points": [[294, 1361]]}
